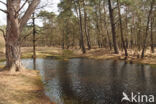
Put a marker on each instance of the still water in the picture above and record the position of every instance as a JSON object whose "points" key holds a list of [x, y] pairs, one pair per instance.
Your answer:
{"points": [[89, 81]]}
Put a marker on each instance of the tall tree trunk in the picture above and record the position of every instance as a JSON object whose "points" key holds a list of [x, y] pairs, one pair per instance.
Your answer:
{"points": [[126, 40], [98, 32], [103, 38], [131, 40], [13, 51], [63, 39], [86, 27], [98, 28], [73, 38], [34, 41], [112, 26], [109, 40], [152, 47], [15, 25], [106, 27], [34, 36], [121, 31], [81, 30], [147, 28], [138, 39]]}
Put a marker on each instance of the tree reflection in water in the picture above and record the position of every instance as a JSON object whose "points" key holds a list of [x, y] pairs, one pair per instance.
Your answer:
{"points": [[88, 81]]}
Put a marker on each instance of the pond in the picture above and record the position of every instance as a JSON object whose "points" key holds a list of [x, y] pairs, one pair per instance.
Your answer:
{"points": [[89, 81]]}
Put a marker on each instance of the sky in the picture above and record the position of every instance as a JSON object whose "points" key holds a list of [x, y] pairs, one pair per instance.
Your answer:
{"points": [[51, 8]]}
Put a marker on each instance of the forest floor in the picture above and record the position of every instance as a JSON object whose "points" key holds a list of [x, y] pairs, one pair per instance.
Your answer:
{"points": [[22, 88]]}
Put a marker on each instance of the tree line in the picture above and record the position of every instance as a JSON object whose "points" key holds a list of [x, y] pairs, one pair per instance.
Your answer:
{"points": [[114, 24]]}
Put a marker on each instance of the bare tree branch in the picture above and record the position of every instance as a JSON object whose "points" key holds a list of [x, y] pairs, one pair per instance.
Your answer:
{"points": [[4, 11], [3, 3], [26, 36], [28, 13], [22, 6]]}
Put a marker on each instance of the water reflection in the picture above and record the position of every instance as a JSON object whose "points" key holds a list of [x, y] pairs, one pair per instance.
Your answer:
{"points": [[34, 63], [88, 81]]}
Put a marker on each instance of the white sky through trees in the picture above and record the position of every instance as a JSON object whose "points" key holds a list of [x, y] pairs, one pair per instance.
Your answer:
{"points": [[51, 8]]}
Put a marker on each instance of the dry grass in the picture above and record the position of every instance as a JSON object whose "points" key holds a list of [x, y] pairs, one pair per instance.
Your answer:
{"points": [[150, 58], [40, 52], [101, 53], [48, 50], [21, 88], [96, 53]]}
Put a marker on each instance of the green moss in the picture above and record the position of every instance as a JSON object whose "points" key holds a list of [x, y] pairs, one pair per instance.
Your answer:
{"points": [[38, 54], [67, 53], [2, 60], [153, 65]]}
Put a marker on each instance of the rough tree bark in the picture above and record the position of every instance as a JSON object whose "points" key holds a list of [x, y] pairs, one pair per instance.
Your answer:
{"points": [[152, 47], [112, 26], [34, 36], [63, 38], [121, 31], [106, 27], [98, 30], [86, 27], [147, 28], [34, 41], [15, 26], [81, 30]]}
